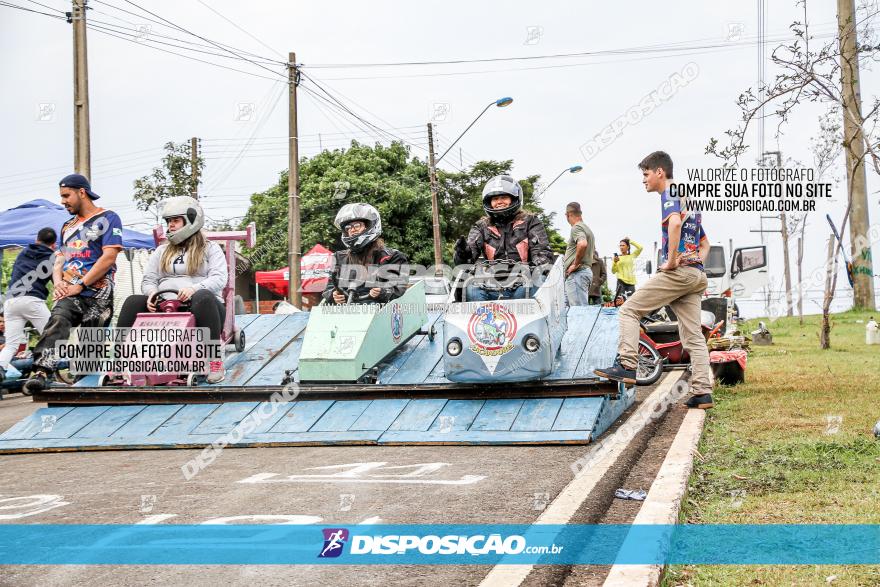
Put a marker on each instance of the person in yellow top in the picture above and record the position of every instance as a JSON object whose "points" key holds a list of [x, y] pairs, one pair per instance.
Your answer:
{"points": [[624, 268]]}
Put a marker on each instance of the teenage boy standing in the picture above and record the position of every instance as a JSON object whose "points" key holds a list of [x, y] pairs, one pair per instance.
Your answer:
{"points": [[679, 282]]}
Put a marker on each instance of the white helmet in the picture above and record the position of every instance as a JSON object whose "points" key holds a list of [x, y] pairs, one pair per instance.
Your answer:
{"points": [[366, 213], [191, 212]]}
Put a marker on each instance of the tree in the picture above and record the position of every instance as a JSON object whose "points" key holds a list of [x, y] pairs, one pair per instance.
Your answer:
{"points": [[173, 178], [391, 180], [817, 73]]}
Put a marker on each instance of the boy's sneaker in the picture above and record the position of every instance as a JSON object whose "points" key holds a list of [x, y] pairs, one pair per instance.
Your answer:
{"points": [[700, 402], [217, 373], [618, 372], [37, 382]]}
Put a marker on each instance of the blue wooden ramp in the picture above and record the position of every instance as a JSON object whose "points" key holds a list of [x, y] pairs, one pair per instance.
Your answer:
{"points": [[274, 341], [572, 420], [412, 402]]}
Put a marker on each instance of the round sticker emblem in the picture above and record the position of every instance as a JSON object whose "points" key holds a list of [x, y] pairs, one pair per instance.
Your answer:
{"points": [[491, 329]]}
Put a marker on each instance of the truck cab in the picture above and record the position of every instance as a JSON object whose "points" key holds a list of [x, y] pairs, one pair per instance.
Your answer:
{"points": [[737, 276]]}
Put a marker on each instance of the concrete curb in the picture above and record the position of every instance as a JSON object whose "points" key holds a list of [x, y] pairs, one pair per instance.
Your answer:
{"points": [[663, 502], [600, 460]]}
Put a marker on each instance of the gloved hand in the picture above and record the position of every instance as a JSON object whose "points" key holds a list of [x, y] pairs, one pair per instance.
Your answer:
{"points": [[462, 252]]}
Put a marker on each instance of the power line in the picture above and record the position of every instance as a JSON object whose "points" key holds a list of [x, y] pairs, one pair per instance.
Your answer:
{"points": [[202, 38], [147, 38], [151, 33], [241, 29], [45, 6], [17, 7], [663, 47], [105, 32], [169, 25]]}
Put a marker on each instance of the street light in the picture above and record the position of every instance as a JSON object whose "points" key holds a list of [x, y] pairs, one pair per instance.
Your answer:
{"points": [[572, 169], [432, 171], [500, 103]]}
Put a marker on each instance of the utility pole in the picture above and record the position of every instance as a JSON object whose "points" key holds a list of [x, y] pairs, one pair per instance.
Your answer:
{"points": [[293, 225], [82, 160], [194, 166], [854, 145], [435, 205]]}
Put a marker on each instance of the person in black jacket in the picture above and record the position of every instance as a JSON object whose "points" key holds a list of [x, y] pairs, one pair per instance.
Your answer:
{"points": [[366, 271], [26, 297], [506, 233]]}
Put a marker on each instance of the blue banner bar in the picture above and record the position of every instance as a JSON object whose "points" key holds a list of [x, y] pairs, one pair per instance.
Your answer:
{"points": [[32, 544]]}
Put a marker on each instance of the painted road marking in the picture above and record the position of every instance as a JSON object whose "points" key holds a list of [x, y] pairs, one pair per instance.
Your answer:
{"points": [[366, 473], [32, 505], [598, 462]]}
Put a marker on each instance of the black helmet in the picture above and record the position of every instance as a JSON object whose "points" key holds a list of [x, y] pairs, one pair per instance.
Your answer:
{"points": [[498, 186]]}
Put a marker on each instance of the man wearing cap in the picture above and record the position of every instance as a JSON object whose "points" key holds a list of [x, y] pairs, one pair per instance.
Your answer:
{"points": [[83, 273], [578, 257]]}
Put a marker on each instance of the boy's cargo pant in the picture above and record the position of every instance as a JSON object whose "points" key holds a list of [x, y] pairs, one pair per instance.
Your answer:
{"points": [[681, 289]]}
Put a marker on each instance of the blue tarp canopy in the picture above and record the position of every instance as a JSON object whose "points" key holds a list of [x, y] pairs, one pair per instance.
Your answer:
{"points": [[19, 226]]}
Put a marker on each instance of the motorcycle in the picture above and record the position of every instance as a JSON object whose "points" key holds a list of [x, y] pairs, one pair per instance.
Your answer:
{"points": [[660, 348]]}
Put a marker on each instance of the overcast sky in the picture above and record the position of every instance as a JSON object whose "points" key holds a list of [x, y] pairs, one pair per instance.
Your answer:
{"points": [[142, 98]]}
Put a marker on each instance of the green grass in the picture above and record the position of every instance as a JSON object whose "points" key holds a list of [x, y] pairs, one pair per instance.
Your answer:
{"points": [[793, 444]]}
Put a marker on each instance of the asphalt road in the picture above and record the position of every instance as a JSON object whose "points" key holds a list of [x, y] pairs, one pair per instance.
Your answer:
{"points": [[318, 485]]}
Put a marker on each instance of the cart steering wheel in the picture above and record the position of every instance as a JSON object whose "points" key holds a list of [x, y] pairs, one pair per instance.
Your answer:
{"points": [[165, 306]]}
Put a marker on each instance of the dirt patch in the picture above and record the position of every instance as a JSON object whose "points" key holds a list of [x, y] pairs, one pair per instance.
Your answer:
{"points": [[635, 469]]}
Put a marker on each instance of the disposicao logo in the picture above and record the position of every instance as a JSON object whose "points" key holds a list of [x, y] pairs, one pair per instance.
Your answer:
{"points": [[334, 541]]}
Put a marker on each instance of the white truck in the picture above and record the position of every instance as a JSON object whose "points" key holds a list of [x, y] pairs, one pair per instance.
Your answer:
{"points": [[739, 275]]}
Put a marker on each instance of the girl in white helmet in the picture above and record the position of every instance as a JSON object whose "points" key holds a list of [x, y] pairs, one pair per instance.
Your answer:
{"points": [[188, 263], [366, 271]]}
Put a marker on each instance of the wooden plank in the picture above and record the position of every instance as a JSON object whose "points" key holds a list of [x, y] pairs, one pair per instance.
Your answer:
{"points": [[437, 374], [184, 421], [301, 416], [497, 414], [270, 414], [612, 410], [147, 421], [419, 414], [457, 414], [314, 438], [502, 437], [403, 354], [252, 360], [109, 422], [421, 361], [581, 320], [259, 328], [87, 381], [272, 371], [380, 414], [601, 348], [72, 422], [340, 416], [32, 424], [225, 418], [537, 415], [578, 413], [243, 320]]}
